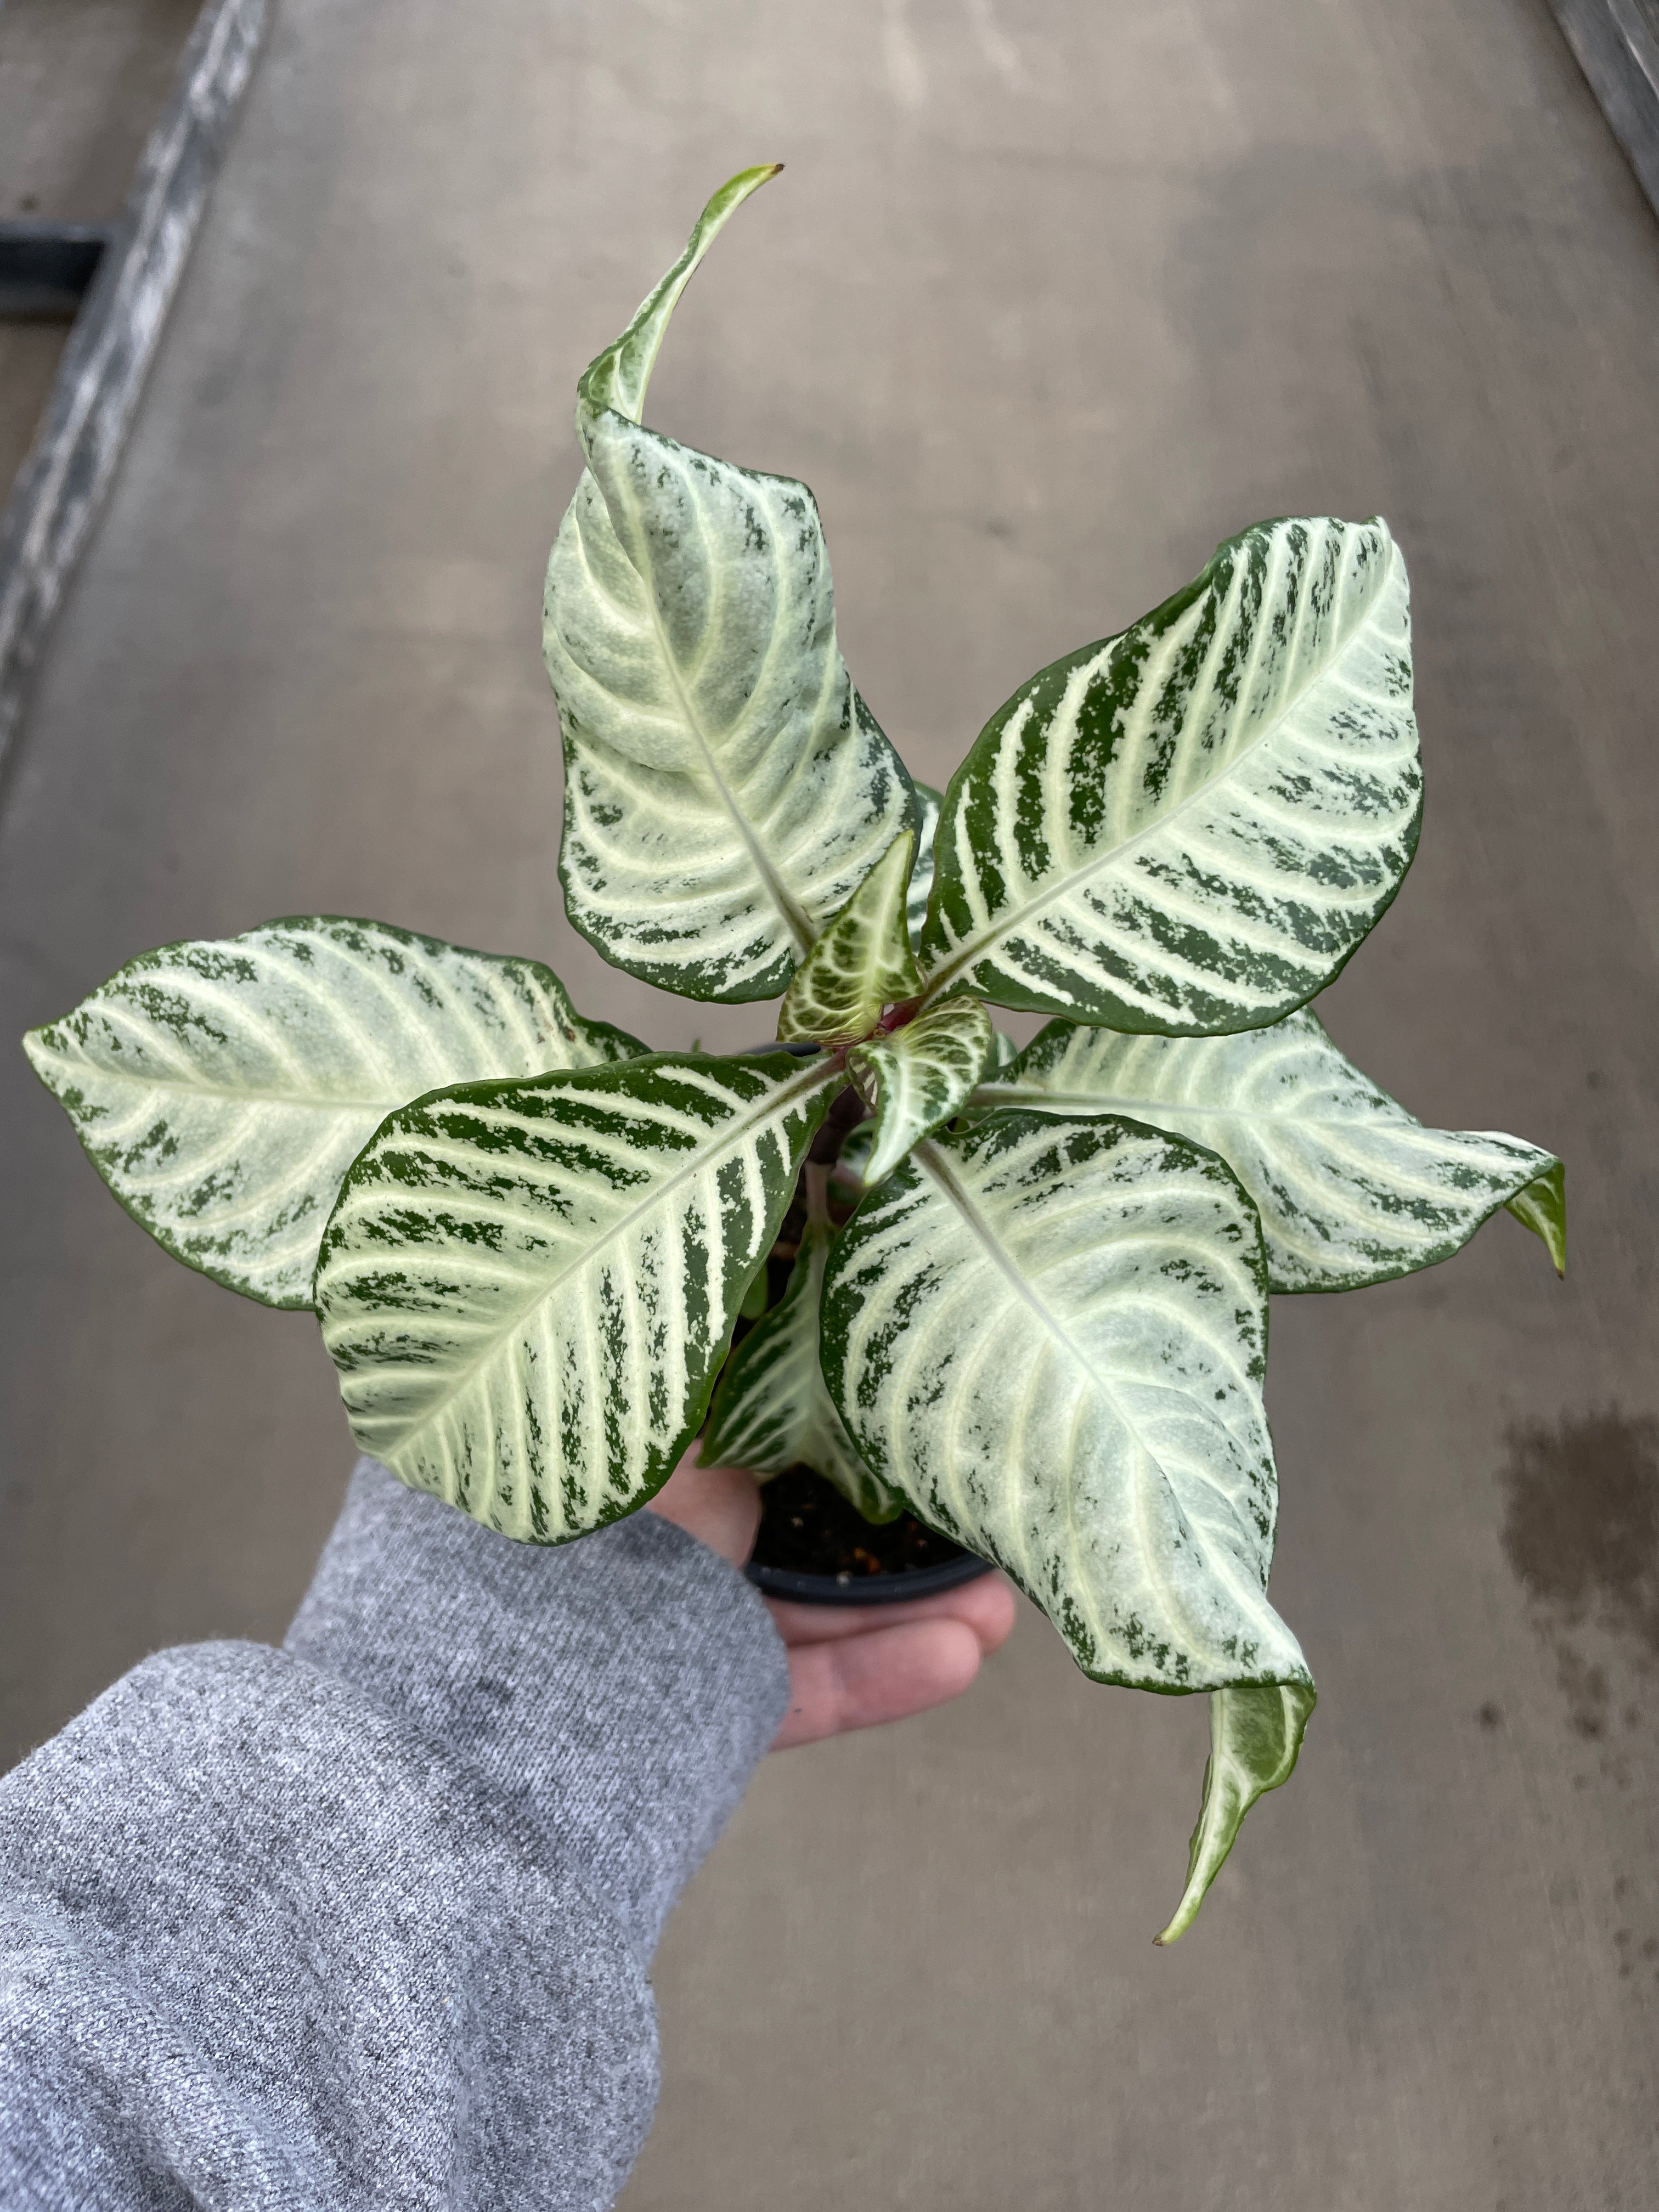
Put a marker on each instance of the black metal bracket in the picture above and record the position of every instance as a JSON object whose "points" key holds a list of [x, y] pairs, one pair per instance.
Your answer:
{"points": [[46, 268]]}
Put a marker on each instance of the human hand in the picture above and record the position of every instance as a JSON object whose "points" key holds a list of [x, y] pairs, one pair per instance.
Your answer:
{"points": [[850, 1667]]}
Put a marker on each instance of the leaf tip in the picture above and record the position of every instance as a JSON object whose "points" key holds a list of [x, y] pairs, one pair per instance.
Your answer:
{"points": [[1184, 1915], [1541, 1207]]}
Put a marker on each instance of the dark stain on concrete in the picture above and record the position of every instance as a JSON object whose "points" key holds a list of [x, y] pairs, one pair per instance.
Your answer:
{"points": [[1582, 1533]]}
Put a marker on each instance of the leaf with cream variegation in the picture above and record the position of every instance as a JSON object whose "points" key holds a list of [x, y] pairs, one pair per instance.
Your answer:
{"points": [[1050, 1335], [222, 1088], [921, 1076], [1351, 1189], [1187, 829], [726, 790], [528, 1288]]}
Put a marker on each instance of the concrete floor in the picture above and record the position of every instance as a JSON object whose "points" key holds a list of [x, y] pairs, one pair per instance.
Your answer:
{"points": [[1050, 299]]}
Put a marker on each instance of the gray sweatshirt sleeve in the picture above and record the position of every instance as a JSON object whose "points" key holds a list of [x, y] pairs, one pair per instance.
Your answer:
{"points": [[367, 1921]]}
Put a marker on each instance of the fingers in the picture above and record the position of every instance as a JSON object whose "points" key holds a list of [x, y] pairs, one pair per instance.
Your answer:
{"points": [[859, 1681], [721, 1506], [988, 1607], [849, 1666]]}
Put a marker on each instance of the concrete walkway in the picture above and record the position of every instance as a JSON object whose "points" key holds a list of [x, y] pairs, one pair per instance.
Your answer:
{"points": [[1052, 297]]}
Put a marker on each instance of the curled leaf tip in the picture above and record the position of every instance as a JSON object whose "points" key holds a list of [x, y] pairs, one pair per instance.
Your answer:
{"points": [[1255, 1733], [1541, 1207], [617, 379]]}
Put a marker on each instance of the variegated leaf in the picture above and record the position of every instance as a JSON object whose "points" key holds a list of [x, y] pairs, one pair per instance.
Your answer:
{"points": [[771, 1409], [223, 1089], [861, 964], [919, 1077], [528, 1288], [1050, 1336], [726, 790], [1188, 827], [929, 803], [1351, 1189], [1255, 1734], [1003, 1050]]}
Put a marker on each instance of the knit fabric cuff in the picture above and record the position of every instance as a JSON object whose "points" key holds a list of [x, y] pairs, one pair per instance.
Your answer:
{"points": [[619, 1690]]}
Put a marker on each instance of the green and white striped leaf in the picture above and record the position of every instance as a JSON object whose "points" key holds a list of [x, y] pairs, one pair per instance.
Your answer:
{"points": [[929, 803], [921, 1076], [1255, 1734], [771, 1409], [528, 1288], [726, 789], [862, 963], [1351, 1188], [1187, 829], [223, 1089], [1050, 1335]]}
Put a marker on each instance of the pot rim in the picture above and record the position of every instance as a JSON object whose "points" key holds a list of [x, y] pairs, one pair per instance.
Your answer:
{"points": [[866, 1590]]}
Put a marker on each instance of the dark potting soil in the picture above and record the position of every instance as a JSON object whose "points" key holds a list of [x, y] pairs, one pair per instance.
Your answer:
{"points": [[808, 1528]]}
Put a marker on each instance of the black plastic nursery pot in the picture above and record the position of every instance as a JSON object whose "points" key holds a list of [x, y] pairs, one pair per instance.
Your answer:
{"points": [[815, 1548]]}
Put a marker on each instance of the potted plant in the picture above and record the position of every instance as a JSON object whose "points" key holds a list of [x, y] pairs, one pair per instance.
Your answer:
{"points": [[1020, 1297]]}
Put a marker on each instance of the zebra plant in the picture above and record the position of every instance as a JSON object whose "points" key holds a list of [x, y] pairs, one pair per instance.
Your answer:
{"points": [[528, 1237]]}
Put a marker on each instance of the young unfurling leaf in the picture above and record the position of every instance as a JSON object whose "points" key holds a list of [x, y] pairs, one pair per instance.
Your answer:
{"points": [[861, 964], [921, 1076]]}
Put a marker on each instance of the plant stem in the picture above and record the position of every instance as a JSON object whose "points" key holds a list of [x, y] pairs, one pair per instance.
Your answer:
{"points": [[847, 1111], [816, 1180]]}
